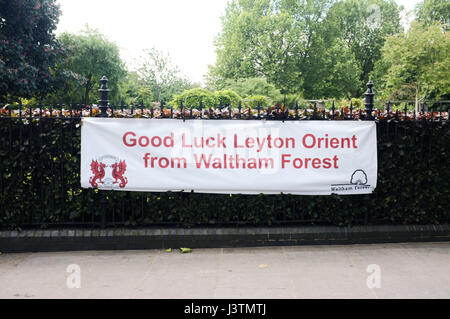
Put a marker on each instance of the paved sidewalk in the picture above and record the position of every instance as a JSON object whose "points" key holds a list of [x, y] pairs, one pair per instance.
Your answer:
{"points": [[413, 270]]}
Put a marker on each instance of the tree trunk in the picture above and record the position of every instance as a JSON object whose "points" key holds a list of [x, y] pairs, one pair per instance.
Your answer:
{"points": [[86, 94]]}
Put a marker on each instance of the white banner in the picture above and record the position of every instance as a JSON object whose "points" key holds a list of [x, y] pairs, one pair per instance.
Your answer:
{"points": [[229, 156]]}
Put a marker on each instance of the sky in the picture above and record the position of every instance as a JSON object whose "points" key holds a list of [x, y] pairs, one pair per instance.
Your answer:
{"points": [[185, 29]]}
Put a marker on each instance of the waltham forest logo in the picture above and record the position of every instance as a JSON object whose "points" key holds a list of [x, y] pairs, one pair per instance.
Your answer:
{"points": [[108, 172], [358, 181]]}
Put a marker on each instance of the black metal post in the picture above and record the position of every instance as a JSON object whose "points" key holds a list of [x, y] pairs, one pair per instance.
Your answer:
{"points": [[104, 95], [104, 101], [369, 103]]}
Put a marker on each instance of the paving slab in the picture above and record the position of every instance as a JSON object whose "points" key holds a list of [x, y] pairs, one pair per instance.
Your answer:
{"points": [[412, 270]]}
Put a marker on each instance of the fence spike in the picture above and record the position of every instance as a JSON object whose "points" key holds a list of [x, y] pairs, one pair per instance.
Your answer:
{"points": [[351, 109]]}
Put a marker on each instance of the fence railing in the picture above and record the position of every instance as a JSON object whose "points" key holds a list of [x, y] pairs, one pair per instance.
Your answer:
{"points": [[314, 110], [40, 165]]}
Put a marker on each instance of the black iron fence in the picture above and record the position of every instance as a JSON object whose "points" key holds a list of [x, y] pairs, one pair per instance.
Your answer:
{"points": [[311, 110], [40, 164]]}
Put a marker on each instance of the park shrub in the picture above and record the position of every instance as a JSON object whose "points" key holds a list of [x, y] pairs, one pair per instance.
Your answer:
{"points": [[254, 100], [293, 100], [228, 98], [194, 97], [357, 103]]}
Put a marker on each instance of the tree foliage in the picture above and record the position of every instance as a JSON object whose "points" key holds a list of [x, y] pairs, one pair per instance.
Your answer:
{"points": [[364, 26], [251, 86], [430, 11], [28, 48], [416, 64], [133, 91], [333, 72], [158, 73], [261, 38], [91, 55], [322, 48]]}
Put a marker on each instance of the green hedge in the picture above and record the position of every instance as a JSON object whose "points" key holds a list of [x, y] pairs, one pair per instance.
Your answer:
{"points": [[40, 186]]}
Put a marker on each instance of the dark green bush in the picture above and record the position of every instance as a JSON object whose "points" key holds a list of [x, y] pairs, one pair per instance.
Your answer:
{"points": [[40, 186]]}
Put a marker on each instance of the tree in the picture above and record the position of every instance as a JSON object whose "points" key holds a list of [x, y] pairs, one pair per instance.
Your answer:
{"points": [[267, 38], [430, 11], [159, 74], [28, 48], [314, 47], [364, 25], [417, 60], [91, 55], [334, 72], [133, 91]]}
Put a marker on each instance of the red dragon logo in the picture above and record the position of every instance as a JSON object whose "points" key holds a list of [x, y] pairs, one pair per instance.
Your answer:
{"points": [[99, 172], [117, 173], [108, 165]]}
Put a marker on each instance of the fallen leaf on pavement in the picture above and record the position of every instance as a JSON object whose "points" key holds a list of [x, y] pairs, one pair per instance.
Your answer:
{"points": [[262, 266]]}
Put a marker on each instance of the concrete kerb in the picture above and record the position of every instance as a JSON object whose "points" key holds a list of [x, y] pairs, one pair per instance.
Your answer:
{"points": [[209, 237]]}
